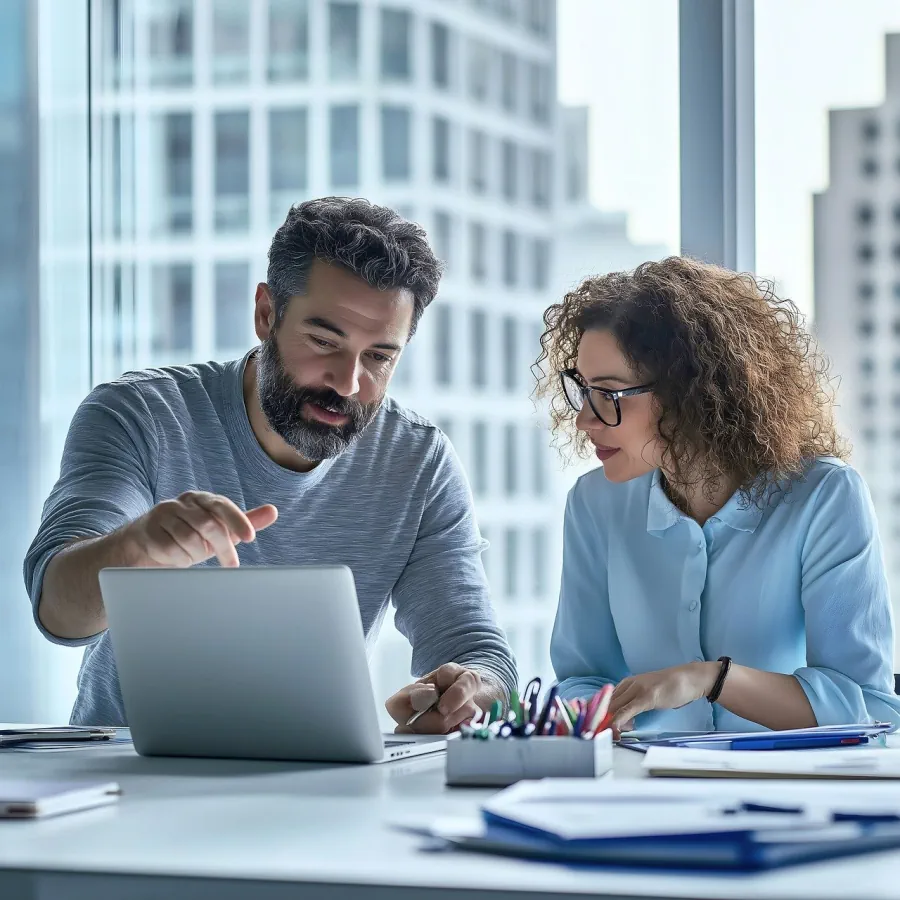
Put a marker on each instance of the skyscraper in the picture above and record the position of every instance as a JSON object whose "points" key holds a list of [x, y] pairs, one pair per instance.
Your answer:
{"points": [[857, 291]]}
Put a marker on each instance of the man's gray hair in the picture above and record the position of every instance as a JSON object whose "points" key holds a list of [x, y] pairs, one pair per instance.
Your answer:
{"points": [[372, 242]]}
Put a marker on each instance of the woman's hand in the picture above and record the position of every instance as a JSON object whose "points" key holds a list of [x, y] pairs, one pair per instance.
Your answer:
{"points": [[663, 689]]}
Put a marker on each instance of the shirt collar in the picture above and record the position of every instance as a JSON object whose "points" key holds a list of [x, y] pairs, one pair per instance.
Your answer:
{"points": [[662, 514]]}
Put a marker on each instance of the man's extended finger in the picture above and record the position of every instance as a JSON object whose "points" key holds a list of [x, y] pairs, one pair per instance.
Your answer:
{"points": [[263, 516], [459, 693], [444, 676]]}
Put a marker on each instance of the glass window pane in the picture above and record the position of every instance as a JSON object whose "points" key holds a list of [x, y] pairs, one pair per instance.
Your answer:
{"points": [[232, 172], [539, 541], [512, 562], [396, 152], [540, 92], [540, 178], [343, 36], [480, 64], [509, 68], [510, 459], [344, 146], [510, 258], [173, 182], [478, 341], [443, 371], [510, 353], [441, 149], [234, 307], [478, 161], [288, 160], [231, 41], [480, 458], [510, 171], [443, 239], [173, 303], [396, 45], [170, 43], [477, 251], [288, 58], [440, 55], [539, 461], [540, 264]]}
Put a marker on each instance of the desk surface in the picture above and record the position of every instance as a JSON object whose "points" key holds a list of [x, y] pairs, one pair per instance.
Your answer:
{"points": [[318, 830]]}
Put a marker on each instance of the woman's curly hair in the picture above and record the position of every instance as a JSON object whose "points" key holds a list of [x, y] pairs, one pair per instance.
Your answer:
{"points": [[742, 391]]}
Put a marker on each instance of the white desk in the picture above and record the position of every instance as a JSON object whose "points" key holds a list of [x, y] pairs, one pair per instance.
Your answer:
{"points": [[199, 828]]}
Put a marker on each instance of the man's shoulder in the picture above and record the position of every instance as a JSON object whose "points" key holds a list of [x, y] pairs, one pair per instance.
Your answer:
{"points": [[403, 438], [171, 386], [403, 418]]}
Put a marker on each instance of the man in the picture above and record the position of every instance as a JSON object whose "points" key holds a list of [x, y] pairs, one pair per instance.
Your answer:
{"points": [[290, 456]]}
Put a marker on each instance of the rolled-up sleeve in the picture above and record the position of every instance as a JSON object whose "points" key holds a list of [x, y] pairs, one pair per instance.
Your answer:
{"points": [[442, 599], [105, 482], [849, 623]]}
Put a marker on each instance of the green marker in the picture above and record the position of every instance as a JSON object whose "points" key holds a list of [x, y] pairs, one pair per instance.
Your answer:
{"points": [[496, 711], [515, 706]]}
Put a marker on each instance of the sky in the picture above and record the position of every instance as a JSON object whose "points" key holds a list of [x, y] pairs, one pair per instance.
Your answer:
{"points": [[621, 60]]}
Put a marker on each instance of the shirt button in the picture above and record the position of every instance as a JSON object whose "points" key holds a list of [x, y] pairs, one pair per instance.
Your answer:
{"points": [[699, 546], [693, 605]]}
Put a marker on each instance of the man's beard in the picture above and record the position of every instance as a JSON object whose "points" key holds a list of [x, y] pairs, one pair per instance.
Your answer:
{"points": [[282, 403]]}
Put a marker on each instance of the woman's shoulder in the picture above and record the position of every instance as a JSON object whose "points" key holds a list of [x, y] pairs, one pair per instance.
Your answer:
{"points": [[827, 479], [595, 495]]}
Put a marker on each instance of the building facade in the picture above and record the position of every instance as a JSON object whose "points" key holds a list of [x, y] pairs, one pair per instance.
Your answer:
{"points": [[857, 291]]}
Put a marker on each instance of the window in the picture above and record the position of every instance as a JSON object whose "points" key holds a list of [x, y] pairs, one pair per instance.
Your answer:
{"points": [[866, 292], [867, 365], [441, 149], [480, 458], [865, 252], [510, 171], [870, 167], [896, 290], [510, 258], [869, 435], [538, 17], [540, 264], [288, 58], [443, 343], [510, 353], [865, 213], [173, 302], [478, 177], [896, 213], [174, 160], [479, 71], [288, 160], [446, 426], [867, 400], [231, 41], [866, 328], [440, 55], [509, 81], [396, 45], [539, 462], [344, 146], [343, 41], [871, 130], [511, 460], [443, 238], [539, 542], [477, 251], [512, 562], [234, 306], [478, 343], [232, 209], [396, 157], [540, 174], [170, 44], [539, 85]]}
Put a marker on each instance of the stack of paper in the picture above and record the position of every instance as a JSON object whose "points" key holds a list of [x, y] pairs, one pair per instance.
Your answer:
{"points": [[35, 799], [687, 763], [676, 824]]}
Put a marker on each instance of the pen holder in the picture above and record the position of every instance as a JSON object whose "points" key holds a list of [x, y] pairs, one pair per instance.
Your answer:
{"points": [[498, 763]]}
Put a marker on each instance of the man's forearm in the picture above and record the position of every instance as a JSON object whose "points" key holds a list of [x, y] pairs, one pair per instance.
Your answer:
{"points": [[492, 688], [70, 604]]}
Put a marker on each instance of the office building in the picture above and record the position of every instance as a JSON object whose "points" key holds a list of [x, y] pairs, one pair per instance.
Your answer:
{"points": [[857, 291]]}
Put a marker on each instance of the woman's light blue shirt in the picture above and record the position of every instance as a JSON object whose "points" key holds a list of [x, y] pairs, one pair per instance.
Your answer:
{"points": [[797, 587]]}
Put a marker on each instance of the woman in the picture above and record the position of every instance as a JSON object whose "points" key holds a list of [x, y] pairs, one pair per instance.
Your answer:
{"points": [[723, 568]]}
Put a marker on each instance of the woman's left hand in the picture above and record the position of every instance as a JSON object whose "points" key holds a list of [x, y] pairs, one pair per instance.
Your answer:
{"points": [[663, 689]]}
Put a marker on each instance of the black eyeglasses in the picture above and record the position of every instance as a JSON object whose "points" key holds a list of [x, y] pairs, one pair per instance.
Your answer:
{"points": [[604, 404]]}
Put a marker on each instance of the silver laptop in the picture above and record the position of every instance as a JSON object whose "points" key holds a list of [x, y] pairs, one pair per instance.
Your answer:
{"points": [[247, 663]]}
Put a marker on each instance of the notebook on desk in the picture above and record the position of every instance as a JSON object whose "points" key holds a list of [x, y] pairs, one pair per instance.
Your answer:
{"points": [[37, 799]]}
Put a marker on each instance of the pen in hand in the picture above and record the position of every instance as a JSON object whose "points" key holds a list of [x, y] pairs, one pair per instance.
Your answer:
{"points": [[420, 699]]}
